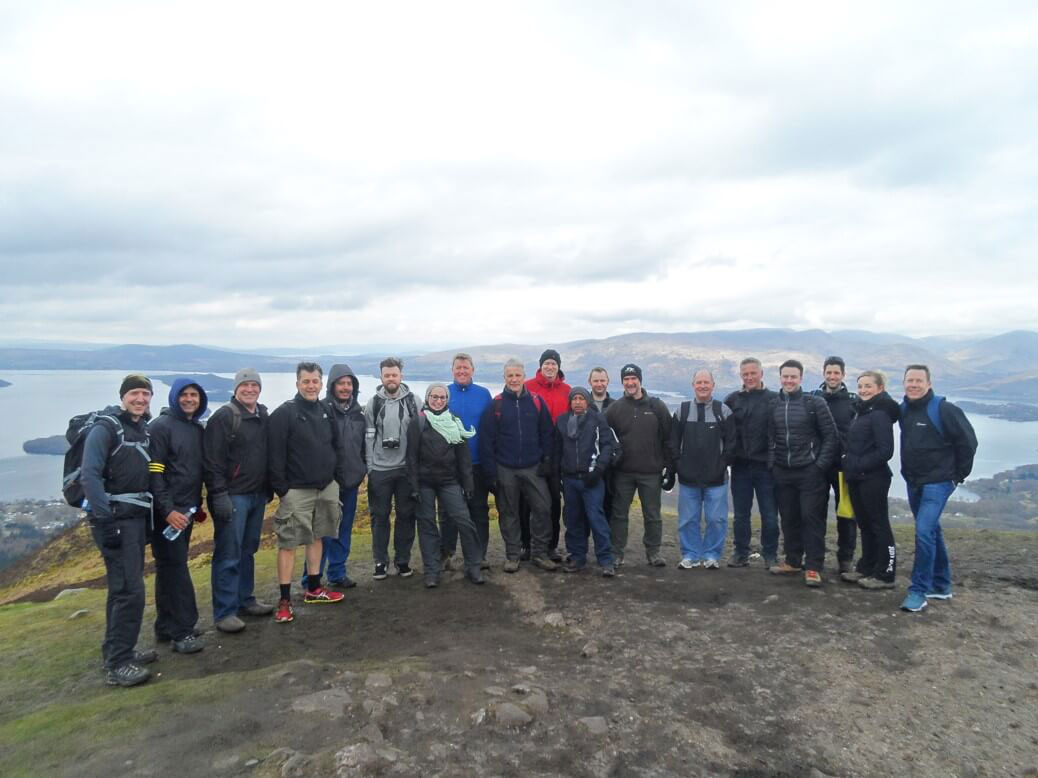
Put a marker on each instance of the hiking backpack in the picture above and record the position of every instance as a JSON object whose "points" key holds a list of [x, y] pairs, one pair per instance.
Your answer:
{"points": [[76, 434]]}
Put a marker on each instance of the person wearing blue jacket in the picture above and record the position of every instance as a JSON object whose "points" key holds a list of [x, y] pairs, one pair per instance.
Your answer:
{"points": [[583, 448], [515, 447]]}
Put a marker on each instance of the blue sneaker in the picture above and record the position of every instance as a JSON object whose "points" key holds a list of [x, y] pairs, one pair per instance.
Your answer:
{"points": [[914, 602], [940, 594]]}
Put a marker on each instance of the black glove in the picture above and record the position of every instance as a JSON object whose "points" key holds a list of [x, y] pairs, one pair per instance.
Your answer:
{"points": [[492, 486], [416, 496], [667, 479], [591, 478], [544, 467], [466, 494], [221, 507], [111, 537]]}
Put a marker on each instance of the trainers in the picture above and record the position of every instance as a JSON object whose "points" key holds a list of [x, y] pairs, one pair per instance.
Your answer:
{"points": [[545, 564], [687, 564], [940, 594], [619, 559], [712, 564], [511, 566], [320, 594], [812, 578], [188, 645], [914, 602], [129, 674], [257, 608], [404, 570], [874, 583], [739, 561], [851, 576], [770, 562], [284, 612], [380, 571], [445, 562], [656, 560], [783, 568], [231, 624], [145, 657], [432, 583], [608, 571], [572, 566]]}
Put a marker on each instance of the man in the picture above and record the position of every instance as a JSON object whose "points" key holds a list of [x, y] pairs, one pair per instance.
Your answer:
{"points": [[703, 437], [387, 416], [802, 446], [840, 401], [176, 478], [342, 398], [598, 380], [583, 446], [307, 465], [468, 401], [937, 449], [642, 425], [515, 448], [239, 490], [549, 384], [114, 476], [750, 474]]}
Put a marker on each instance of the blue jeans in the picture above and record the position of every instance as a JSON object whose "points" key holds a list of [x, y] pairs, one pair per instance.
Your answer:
{"points": [[932, 570], [583, 507], [693, 503], [747, 478], [234, 544], [335, 551]]}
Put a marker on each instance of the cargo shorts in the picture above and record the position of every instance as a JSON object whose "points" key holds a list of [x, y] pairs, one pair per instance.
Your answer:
{"points": [[306, 515]]}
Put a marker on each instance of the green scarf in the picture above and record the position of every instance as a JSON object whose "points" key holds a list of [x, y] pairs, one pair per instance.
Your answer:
{"points": [[450, 426]]}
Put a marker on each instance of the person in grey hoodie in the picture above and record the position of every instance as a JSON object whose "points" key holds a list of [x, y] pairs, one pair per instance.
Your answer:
{"points": [[387, 416]]}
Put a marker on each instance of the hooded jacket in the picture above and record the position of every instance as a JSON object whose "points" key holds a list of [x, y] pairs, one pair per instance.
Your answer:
{"points": [[643, 429], [870, 437], [927, 457], [520, 437], [177, 465], [393, 419], [305, 450], [468, 403], [350, 421], [554, 393], [236, 461], [432, 461], [705, 447], [588, 447], [750, 408], [801, 432]]}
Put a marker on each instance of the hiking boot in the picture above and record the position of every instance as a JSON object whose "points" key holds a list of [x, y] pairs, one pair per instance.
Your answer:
{"points": [[129, 674], [343, 583], [851, 576], [231, 624], [812, 578], [739, 561], [188, 645], [618, 561], [769, 562], [380, 571], [656, 560], [257, 608], [874, 583], [484, 565], [322, 595], [545, 564], [711, 564], [404, 570], [555, 556], [913, 602], [783, 568], [511, 566], [431, 582], [940, 594], [145, 657], [284, 612], [689, 564], [572, 566], [524, 554], [474, 575], [608, 571], [166, 639]]}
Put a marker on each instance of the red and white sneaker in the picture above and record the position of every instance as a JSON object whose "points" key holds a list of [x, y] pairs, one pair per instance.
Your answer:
{"points": [[284, 612], [320, 594]]}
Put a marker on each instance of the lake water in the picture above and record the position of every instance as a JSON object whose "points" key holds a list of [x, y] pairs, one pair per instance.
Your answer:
{"points": [[40, 402]]}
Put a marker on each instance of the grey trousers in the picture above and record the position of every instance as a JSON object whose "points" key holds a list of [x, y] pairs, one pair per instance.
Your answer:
{"points": [[453, 507], [650, 493], [511, 483]]}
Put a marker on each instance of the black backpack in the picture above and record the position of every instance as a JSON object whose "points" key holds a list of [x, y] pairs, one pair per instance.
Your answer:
{"points": [[76, 434]]}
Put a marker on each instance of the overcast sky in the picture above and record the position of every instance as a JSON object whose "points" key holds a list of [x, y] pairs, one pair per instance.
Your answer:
{"points": [[248, 174]]}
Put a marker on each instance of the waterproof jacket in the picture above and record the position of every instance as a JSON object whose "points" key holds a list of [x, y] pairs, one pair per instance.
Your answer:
{"points": [[394, 414], [305, 449], [750, 409], [927, 456], [801, 432], [521, 436], [468, 403], [705, 444], [591, 448], [107, 470], [643, 429], [841, 406], [432, 461], [236, 461], [177, 468], [555, 393], [350, 421], [870, 437]]}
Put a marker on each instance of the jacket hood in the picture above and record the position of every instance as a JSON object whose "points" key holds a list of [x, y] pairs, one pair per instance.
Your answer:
{"points": [[174, 394], [881, 402], [334, 374]]}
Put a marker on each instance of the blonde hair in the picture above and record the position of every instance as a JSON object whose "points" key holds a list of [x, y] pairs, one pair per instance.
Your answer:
{"points": [[877, 376]]}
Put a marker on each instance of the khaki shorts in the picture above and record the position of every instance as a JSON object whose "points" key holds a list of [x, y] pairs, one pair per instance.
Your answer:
{"points": [[306, 515]]}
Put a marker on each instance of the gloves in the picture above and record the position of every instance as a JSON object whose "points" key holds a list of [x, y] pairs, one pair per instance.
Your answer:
{"points": [[492, 486], [417, 497], [544, 467], [466, 494], [221, 507], [591, 478], [667, 479], [111, 538]]}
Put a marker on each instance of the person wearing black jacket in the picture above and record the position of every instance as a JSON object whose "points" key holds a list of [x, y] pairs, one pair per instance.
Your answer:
{"points": [[176, 486], [841, 405], [238, 488], [937, 449], [583, 448], [750, 472], [703, 436], [867, 449], [802, 445], [307, 466], [114, 475], [439, 468]]}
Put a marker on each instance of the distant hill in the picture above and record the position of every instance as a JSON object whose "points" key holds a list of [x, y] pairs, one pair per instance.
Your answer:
{"points": [[4, 383]]}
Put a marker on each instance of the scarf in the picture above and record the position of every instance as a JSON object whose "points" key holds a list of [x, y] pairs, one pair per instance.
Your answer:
{"points": [[449, 425]]}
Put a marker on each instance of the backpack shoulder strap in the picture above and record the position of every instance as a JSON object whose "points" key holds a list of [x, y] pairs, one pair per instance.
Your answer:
{"points": [[716, 405], [377, 404], [412, 409], [686, 408], [235, 420], [497, 405], [933, 410]]}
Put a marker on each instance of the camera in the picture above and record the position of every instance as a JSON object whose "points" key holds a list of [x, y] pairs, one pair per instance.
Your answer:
{"points": [[391, 443]]}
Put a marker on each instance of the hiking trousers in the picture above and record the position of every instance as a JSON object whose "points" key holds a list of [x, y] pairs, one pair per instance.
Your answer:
{"points": [[124, 574], [176, 611]]}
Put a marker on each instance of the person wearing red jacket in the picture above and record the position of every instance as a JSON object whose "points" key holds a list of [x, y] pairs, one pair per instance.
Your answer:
{"points": [[550, 385]]}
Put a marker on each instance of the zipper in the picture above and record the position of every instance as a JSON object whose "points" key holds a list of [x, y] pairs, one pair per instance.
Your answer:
{"points": [[789, 451]]}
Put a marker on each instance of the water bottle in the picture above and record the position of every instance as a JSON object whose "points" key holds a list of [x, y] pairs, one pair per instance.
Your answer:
{"points": [[171, 532]]}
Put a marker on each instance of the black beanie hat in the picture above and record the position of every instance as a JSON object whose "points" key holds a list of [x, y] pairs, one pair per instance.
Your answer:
{"points": [[134, 381], [630, 369], [550, 353]]}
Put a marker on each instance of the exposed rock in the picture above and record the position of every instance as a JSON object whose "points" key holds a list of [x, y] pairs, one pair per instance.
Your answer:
{"points": [[69, 593], [554, 619], [372, 733], [328, 701], [375, 709], [595, 725], [357, 759], [226, 762], [495, 691], [589, 650], [479, 716], [78, 614], [511, 715], [536, 702], [252, 763], [771, 598], [378, 681]]}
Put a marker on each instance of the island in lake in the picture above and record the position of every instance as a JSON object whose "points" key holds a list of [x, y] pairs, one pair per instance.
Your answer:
{"points": [[1005, 411], [53, 444], [4, 383]]}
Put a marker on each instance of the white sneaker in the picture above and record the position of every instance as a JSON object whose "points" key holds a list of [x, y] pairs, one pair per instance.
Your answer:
{"points": [[686, 564], [712, 564]]}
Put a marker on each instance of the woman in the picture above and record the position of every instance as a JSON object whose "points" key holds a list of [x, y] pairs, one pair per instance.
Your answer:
{"points": [[440, 468], [870, 445]]}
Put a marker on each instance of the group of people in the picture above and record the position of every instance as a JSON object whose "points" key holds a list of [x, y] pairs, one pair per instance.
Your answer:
{"points": [[546, 450]]}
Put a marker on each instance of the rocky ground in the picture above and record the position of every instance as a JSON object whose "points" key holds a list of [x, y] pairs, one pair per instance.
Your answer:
{"points": [[658, 672]]}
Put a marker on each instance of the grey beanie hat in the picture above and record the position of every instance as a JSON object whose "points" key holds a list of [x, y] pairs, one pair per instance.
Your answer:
{"points": [[582, 392], [246, 374]]}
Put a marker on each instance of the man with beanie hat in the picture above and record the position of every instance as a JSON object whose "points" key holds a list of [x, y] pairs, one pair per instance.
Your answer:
{"points": [[642, 425], [114, 476], [550, 385], [236, 480], [176, 483]]}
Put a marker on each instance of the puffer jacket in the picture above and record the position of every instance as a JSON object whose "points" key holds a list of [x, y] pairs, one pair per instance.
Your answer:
{"points": [[870, 437], [801, 432]]}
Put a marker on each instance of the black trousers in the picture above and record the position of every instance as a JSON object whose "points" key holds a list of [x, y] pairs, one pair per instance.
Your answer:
{"points": [[802, 495], [878, 554], [554, 512], [386, 489], [124, 574], [176, 612], [846, 530]]}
